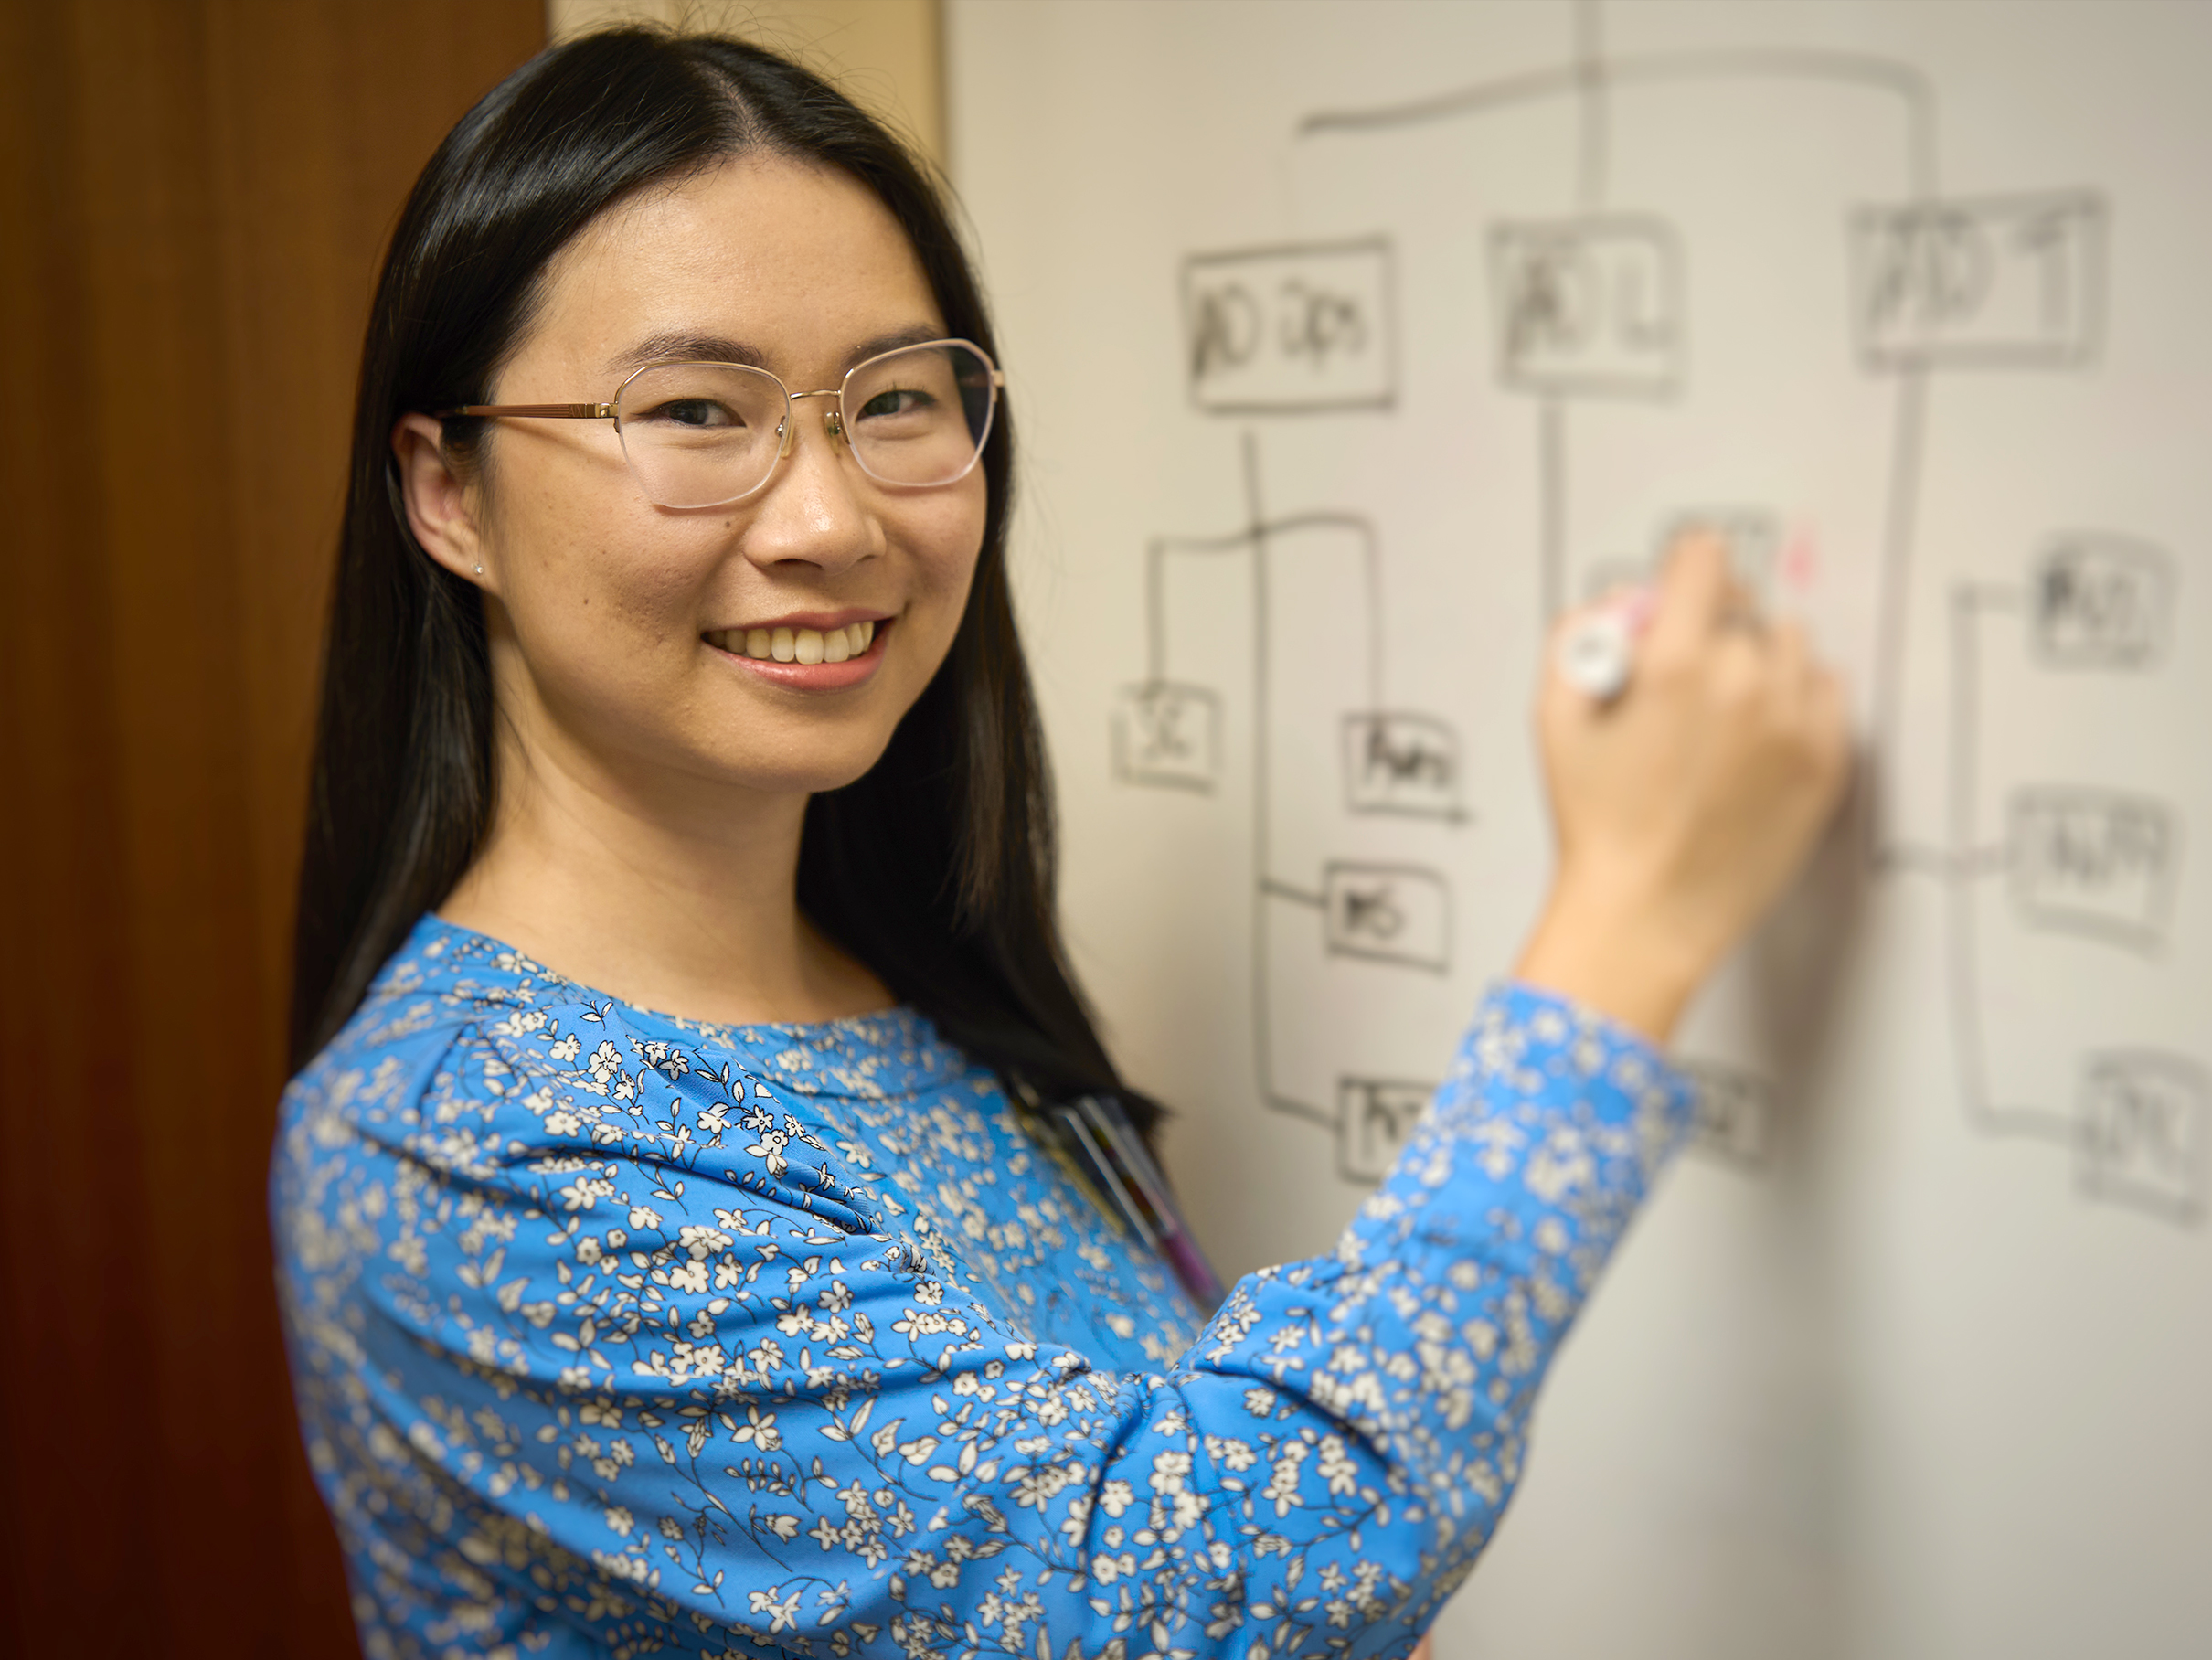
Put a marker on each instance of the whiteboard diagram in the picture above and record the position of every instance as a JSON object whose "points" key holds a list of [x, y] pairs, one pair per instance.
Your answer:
{"points": [[1349, 343], [1603, 328]]}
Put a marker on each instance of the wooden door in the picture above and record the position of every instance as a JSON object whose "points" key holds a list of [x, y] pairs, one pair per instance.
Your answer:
{"points": [[193, 197]]}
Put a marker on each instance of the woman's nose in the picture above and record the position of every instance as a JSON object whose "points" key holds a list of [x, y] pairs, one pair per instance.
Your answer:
{"points": [[814, 510]]}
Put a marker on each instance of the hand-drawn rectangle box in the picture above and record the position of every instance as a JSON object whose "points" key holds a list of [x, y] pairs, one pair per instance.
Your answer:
{"points": [[1375, 1117], [1735, 1112], [1395, 762], [2094, 862], [1167, 734], [2144, 1132], [2101, 601], [1753, 537], [1289, 330], [1998, 281], [1589, 307], [1392, 913]]}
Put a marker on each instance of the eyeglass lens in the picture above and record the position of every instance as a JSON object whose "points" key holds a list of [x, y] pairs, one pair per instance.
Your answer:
{"points": [[699, 434]]}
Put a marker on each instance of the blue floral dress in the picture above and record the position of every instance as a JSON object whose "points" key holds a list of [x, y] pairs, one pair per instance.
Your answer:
{"points": [[619, 1334]]}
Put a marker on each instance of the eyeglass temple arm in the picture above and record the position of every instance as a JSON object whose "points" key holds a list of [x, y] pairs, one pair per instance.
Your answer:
{"points": [[543, 411]]}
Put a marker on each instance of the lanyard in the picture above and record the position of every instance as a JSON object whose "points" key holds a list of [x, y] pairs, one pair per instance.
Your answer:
{"points": [[1100, 1150]]}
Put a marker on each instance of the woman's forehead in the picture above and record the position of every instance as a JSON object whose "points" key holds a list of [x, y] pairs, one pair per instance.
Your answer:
{"points": [[796, 260]]}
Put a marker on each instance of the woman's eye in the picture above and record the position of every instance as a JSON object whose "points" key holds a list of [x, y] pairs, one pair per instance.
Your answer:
{"points": [[899, 400], [695, 413]]}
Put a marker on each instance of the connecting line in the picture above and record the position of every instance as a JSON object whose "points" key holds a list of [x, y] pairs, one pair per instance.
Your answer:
{"points": [[1590, 66], [1899, 516], [1756, 63], [1939, 864], [1255, 540], [1257, 529], [1551, 521], [1969, 863]]}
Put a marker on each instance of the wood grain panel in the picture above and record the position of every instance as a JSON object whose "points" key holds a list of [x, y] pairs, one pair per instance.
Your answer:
{"points": [[192, 200]]}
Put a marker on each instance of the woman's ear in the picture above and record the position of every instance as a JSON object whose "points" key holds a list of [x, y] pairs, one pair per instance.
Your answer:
{"points": [[441, 507]]}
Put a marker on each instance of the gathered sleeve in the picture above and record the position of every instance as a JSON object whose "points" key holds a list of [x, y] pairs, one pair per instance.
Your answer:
{"points": [[607, 1339]]}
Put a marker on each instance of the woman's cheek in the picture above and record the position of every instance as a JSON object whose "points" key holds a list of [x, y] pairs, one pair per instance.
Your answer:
{"points": [[608, 636], [955, 541]]}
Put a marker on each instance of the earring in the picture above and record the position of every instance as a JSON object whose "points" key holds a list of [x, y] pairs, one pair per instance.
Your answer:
{"points": [[479, 571]]}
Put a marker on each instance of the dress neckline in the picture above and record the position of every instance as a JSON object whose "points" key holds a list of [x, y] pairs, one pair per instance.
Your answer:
{"points": [[887, 1052]]}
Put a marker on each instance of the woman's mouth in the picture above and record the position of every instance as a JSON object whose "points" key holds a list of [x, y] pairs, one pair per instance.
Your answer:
{"points": [[805, 659], [805, 646]]}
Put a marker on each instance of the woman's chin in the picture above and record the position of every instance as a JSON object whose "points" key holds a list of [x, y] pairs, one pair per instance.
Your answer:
{"points": [[822, 769]]}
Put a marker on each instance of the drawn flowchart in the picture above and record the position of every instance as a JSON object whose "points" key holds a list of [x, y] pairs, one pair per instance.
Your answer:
{"points": [[1585, 318], [2093, 865]]}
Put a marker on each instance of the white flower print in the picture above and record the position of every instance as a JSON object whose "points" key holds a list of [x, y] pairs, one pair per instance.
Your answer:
{"points": [[759, 1428], [781, 1609], [688, 1276], [702, 1241], [870, 1380]]}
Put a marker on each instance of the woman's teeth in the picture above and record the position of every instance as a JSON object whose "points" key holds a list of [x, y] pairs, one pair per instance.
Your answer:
{"points": [[799, 644]]}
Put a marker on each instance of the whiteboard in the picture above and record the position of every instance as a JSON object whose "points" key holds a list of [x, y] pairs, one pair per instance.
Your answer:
{"points": [[1347, 343]]}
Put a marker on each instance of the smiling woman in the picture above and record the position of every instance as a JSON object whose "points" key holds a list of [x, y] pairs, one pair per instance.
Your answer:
{"points": [[626, 719], [564, 242], [709, 1218]]}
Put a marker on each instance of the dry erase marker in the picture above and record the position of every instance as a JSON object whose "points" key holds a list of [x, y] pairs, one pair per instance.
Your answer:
{"points": [[1597, 655]]}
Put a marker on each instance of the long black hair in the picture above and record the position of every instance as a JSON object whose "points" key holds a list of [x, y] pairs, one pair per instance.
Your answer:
{"points": [[935, 869]]}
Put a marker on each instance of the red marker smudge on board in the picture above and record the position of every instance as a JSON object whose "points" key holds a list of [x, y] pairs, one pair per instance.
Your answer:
{"points": [[1801, 561]]}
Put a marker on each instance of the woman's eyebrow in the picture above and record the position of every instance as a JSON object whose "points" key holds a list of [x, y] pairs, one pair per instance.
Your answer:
{"points": [[914, 334], [680, 346]]}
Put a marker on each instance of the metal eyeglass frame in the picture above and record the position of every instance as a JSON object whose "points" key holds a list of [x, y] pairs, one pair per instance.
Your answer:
{"points": [[786, 431]]}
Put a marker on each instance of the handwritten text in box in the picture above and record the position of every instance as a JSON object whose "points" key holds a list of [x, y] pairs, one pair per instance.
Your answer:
{"points": [[1999, 282], [1374, 1117], [1167, 734], [1392, 913], [1589, 307], [1281, 330], [2094, 862], [2101, 601], [1401, 763], [2144, 1133], [1735, 1112]]}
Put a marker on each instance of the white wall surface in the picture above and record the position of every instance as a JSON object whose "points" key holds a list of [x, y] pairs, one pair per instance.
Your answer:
{"points": [[887, 55], [1914, 1357]]}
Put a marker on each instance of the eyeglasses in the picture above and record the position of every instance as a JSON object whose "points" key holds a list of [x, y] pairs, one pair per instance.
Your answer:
{"points": [[704, 434]]}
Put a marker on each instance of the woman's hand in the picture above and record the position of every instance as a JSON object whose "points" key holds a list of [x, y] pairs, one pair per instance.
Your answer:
{"points": [[1683, 809]]}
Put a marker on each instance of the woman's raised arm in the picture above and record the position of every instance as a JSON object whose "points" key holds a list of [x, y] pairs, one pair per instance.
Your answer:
{"points": [[1683, 808]]}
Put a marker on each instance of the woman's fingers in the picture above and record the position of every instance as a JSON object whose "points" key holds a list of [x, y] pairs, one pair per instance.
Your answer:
{"points": [[1789, 656], [1831, 720], [1684, 804], [1694, 594]]}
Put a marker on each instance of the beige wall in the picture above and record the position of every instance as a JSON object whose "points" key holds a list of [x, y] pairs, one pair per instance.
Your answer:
{"points": [[885, 54]]}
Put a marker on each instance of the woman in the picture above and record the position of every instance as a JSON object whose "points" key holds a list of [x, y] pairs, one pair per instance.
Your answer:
{"points": [[672, 668]]}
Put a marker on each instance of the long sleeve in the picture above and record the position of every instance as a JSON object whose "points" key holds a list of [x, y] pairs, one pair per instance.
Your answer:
{"points": [[605, 1346]]}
